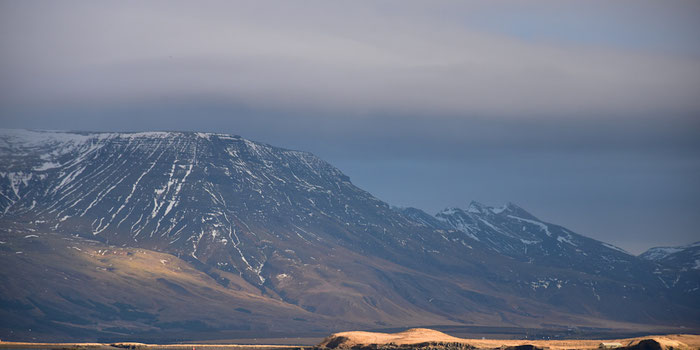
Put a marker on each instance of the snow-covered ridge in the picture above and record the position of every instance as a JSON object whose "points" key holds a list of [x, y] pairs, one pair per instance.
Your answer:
{"points": [[658, 253], [38, 137], [511, 230], [611, 246], [661, 253], [58, 142]]}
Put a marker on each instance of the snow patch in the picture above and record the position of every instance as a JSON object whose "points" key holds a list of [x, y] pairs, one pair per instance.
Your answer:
{"points": [[616, 248], [542, 226], [47, 166]]}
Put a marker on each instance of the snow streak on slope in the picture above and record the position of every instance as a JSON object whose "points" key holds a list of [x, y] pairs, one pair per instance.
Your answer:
{"points": [[296, 228], [682, 257], [514, 232], [213, 197]]}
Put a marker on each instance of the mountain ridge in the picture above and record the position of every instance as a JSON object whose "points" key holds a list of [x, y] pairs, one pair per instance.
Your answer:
{"points": [[661, 253], [295, 228]]}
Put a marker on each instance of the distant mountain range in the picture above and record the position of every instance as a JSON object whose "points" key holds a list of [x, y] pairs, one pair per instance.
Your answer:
{"points": [[170, 234]]}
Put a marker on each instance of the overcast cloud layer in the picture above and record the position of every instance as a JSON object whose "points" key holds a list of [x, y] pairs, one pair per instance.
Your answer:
{"points": [[586, 112]]}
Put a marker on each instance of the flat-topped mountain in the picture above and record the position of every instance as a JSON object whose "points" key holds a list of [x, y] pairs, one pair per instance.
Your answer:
{"points": [[286, 227], [216, 198]]}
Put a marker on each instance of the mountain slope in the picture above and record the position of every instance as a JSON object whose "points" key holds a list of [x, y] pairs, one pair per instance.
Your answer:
{"points": [[216, 198], [679, 269], [512, 231], [296, 230], [683, 257], [61, 288]]}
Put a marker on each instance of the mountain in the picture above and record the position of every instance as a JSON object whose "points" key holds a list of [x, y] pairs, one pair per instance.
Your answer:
{"points": [[164, 233], [679, 269], [683, 257], [512, 231], [59, 288]]}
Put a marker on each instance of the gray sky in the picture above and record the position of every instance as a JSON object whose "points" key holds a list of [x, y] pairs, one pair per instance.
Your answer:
{"points": [[587, 113]]}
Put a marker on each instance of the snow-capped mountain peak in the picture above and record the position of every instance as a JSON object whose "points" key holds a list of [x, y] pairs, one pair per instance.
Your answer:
{"points": [[660, 253], [511, 230], [685, 257]]}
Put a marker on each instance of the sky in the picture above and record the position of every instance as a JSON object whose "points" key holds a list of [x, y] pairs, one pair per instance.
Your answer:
{"points": [[586, 113]]}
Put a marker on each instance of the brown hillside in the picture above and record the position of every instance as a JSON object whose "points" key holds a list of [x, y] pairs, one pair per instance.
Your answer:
{"points": [[428, 338]]}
